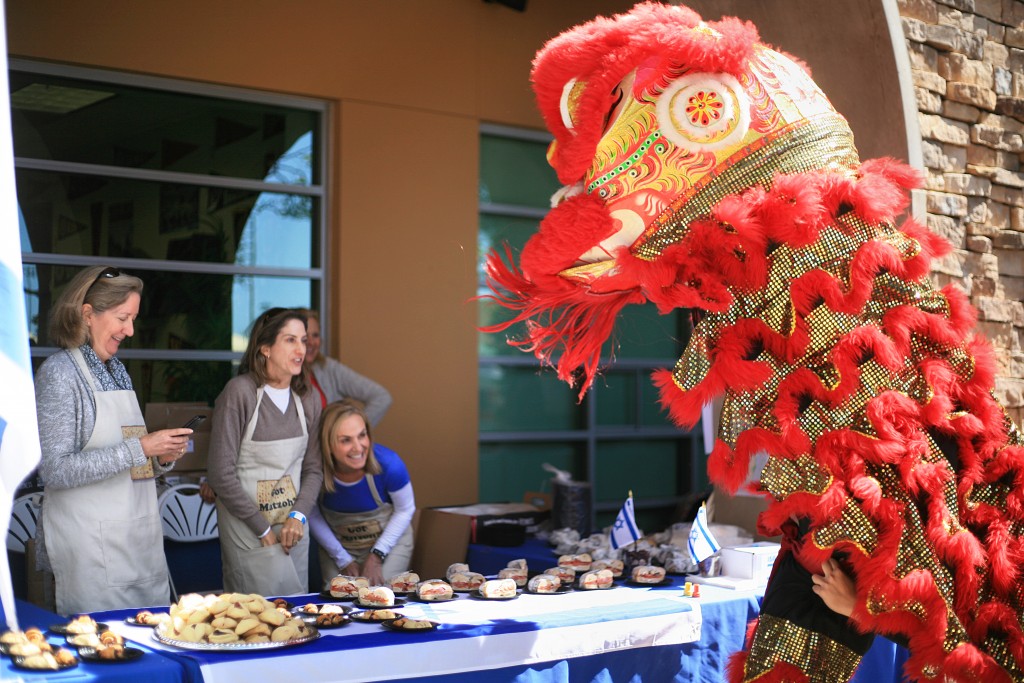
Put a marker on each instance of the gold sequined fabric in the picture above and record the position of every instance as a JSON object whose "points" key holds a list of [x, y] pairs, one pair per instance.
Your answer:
{"points": [[777, 640]]}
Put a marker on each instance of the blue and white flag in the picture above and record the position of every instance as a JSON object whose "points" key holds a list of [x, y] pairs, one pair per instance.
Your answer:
{"points": [[702, 543], [624, 531], [19, 432]]}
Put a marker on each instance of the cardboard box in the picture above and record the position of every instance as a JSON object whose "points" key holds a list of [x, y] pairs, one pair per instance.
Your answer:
{"points": [[753, 561], [168, 415], [443, 534]]}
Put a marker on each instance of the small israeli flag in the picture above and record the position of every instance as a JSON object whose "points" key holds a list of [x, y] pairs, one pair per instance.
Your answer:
{"points": [[702, 543], [624, 531]]}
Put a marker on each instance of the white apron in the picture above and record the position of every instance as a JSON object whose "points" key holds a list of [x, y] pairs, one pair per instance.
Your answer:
{"points": [[104, 539], [358, 531], [249, 567]]}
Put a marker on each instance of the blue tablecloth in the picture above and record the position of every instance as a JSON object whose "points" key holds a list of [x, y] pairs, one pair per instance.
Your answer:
{"points": [[725, 618], [153, 667]]}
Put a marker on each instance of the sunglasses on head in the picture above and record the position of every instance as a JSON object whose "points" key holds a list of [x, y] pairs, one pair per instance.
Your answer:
{"points": [[109, 273]]}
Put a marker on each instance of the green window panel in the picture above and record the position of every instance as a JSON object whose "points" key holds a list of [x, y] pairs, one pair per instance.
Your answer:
{"points": [[651, 469], [524, 399], [515, 171], [507, 471]]}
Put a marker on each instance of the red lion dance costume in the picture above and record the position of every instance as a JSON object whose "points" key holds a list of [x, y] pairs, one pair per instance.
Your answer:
{"points": [[709, 172]]}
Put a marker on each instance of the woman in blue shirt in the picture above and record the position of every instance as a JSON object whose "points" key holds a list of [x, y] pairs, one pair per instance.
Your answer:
{"points": [[363, 522]]}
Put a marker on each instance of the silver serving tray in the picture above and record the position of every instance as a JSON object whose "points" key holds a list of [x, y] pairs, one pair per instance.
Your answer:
{"points": [[235, 647]]}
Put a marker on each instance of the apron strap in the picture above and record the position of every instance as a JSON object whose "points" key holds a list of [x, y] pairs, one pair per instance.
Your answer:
{"points": [[373, 491], [76, 354], [250, 428]]}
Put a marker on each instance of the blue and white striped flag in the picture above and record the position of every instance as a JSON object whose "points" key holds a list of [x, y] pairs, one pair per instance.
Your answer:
{"points": [[19, 432], [702, 543], [624, 531]]}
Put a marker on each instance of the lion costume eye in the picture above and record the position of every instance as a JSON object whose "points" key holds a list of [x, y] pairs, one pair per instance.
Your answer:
{"points": [[704, 112], [571, 94]]}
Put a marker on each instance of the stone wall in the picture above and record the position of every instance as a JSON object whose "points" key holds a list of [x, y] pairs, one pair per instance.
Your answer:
{"points": [[967, 59]]}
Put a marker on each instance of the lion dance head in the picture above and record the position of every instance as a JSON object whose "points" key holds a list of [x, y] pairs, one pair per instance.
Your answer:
{"points": [[706, 171]]}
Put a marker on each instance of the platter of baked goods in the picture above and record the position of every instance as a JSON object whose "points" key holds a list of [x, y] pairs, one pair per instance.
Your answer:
{"points": [[57, 660], [81, 624], [96, 641], [325, 619], [409, 625], [111, 654], [378, 597], [434, 590], [312, 608], [648, 575], [374, 615], [345, 587], [147, 618], [547, 584], [497, 589], [230, 622]]}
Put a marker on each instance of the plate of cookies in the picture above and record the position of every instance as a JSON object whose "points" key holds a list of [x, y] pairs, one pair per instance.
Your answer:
{"points": [[58, 660], [112, 654], [409, 625], [147, 618], [230, 622]]}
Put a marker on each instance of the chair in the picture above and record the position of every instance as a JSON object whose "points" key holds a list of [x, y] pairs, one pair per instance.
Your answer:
{"points": [[187, 518], [24, 518]]}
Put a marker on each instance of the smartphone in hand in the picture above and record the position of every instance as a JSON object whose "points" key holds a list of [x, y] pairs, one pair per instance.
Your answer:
{"points": [[194, 422]]}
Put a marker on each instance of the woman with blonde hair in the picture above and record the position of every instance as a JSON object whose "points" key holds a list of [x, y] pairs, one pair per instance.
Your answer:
{"points": [[334, 381], [264, 460], [100, 531], [363, 522]]}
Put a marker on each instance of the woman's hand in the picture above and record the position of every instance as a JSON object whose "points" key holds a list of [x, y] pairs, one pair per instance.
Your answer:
{"points": [[351, 569], [372, 570], [835, 588], [291, 533], [207, 493], [166, 445], [269, 538]]}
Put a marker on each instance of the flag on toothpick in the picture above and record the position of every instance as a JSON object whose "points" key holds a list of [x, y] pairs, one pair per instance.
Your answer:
{"points": [[624, 531], [702, 543], [19, 432]]}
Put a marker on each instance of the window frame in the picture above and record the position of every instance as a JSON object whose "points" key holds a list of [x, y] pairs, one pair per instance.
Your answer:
{"points": [[317, 274]]}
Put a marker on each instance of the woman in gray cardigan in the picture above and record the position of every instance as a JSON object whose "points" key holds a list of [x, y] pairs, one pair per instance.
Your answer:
{"points": [[100, 532]]}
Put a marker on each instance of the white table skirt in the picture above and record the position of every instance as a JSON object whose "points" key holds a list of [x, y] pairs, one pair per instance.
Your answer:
{"points": [[474, 635]]}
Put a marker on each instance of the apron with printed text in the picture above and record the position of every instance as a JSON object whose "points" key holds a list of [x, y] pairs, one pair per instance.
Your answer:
{"points": [[358, 531], [104, 539], [271, 474]]}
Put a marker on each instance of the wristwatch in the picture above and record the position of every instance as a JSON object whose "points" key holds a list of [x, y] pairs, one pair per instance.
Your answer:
{"points": [[381, 555]]}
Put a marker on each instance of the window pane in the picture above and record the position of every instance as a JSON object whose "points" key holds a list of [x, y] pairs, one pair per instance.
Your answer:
{"points": [[92, 215], [651, 469], [508, 471], [168, 131], [616, 399], [528, 400], [179, 310], [514, 171], [640, 332]]}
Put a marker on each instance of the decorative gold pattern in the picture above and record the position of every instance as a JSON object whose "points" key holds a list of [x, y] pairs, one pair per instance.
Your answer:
{"points": [[783, 477], [778, 640]]}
